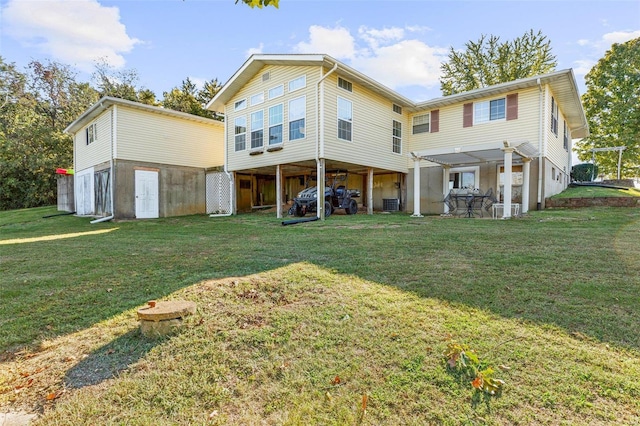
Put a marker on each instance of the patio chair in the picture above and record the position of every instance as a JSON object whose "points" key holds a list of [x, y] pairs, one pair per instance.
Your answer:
{"points": [[449, 201], [489, 199]]}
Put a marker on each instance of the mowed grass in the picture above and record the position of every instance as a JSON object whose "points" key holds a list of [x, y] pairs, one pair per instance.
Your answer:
{"points": [[341, 322], [596, 191]]}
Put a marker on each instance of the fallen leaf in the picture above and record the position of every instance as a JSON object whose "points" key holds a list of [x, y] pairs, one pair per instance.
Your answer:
{"points": [[69, 358], [213, 414], [365, 399], [51, 396], [328, 396], [110, 351], [504, 367], [109, 290], [477, 382], [336, 380], [49, 327]]}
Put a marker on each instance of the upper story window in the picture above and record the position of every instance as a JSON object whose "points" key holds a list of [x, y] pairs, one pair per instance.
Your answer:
{"points": [[275, 92], [397, 109], [275, 124], [489, 110], [257, 99], [240, 132], [257, 132], [298, 83], [554, 116], [421, 124], [239, 105], [345, 119], [397, 137], [297, 115], [344, 84], [566, 135], [92, 133]]}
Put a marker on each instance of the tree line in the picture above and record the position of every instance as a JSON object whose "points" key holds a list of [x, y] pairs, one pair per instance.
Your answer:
{"points": [[38, 103]]}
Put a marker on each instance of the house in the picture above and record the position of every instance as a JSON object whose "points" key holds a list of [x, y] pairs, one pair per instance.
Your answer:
{"points": [[288, 116], [133, 160]]}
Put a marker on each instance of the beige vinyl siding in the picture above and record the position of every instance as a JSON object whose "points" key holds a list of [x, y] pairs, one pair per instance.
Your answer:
{"points": [[296, 150], [99, 151], [555, 151], [372, 130], [158, 138], [453, 134]]}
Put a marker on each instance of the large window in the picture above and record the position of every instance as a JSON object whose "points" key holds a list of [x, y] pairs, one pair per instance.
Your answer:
{"points": [[464, 178], [297, 114], [241, 133], [298, 83], [345, 119], [275, 124], [421, 124], [397, 137], [489, 110], [257, 129], [92, 133], [554, 116]]}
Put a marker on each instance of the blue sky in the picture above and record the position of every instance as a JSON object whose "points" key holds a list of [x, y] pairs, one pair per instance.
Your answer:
{"points": [[399, 43]]}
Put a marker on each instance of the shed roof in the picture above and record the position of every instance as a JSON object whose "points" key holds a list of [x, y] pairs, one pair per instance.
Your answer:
{"points": [[99, 107]]}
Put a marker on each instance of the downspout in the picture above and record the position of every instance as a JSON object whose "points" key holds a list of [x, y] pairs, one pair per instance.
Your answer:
{"points": [[320, 140], [540, 126], [112, 173], [224, 169]]}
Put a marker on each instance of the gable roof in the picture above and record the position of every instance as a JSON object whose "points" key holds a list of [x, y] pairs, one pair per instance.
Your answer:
{"points": [[99, 107], [255, 63], [563, 85]]}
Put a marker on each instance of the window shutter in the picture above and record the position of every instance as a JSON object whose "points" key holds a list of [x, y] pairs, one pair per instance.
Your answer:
{"points": [[512, 106], [435, 121], [467, 115]]}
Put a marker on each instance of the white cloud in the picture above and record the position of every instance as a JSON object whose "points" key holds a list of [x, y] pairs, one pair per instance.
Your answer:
{"points": [[337, 42], [75, 32], [619, 37], [383, 54], [583, 66], [255, 50]]}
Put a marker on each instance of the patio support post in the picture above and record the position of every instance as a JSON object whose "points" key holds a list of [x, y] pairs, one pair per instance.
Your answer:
{"points": [[370, 191], [508, 158], [321, 184], [278, 191], [526, 169], [445, 185], [416, 187]]}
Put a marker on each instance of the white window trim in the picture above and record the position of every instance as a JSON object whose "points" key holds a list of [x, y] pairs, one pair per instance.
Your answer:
{"points": [[281, 123], [346, 81], [394, 137], [302, 77], [235, 145], [252, 130], [474, 169], [489, 120], [243, 105], [338, 119], [413, 125], [304, 102], [281, 86], [260, 101], [94, 133]]}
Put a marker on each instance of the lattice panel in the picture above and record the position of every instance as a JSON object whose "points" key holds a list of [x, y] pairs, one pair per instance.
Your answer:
{"points": [[219, 191]]}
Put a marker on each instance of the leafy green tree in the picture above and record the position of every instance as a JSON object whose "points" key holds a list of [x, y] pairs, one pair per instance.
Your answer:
{"points": [[189, 99], [121, 84], [488, 61], [37, 105], [611, 106], [260, 3]]}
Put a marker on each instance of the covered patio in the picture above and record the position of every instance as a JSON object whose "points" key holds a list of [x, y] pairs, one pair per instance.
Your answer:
{"points": [[504, 152]]}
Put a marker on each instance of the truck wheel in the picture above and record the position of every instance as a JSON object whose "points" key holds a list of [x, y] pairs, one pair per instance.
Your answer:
{"points": [[352, 208], [327, 209], [298, 211]]}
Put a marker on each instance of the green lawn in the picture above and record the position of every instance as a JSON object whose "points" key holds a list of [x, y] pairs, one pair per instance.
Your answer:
{"points": [[596, 191], [313, 323]]}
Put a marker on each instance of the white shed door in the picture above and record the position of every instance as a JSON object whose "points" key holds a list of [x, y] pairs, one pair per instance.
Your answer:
{"points": [[146, 194], [83, 194]]}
